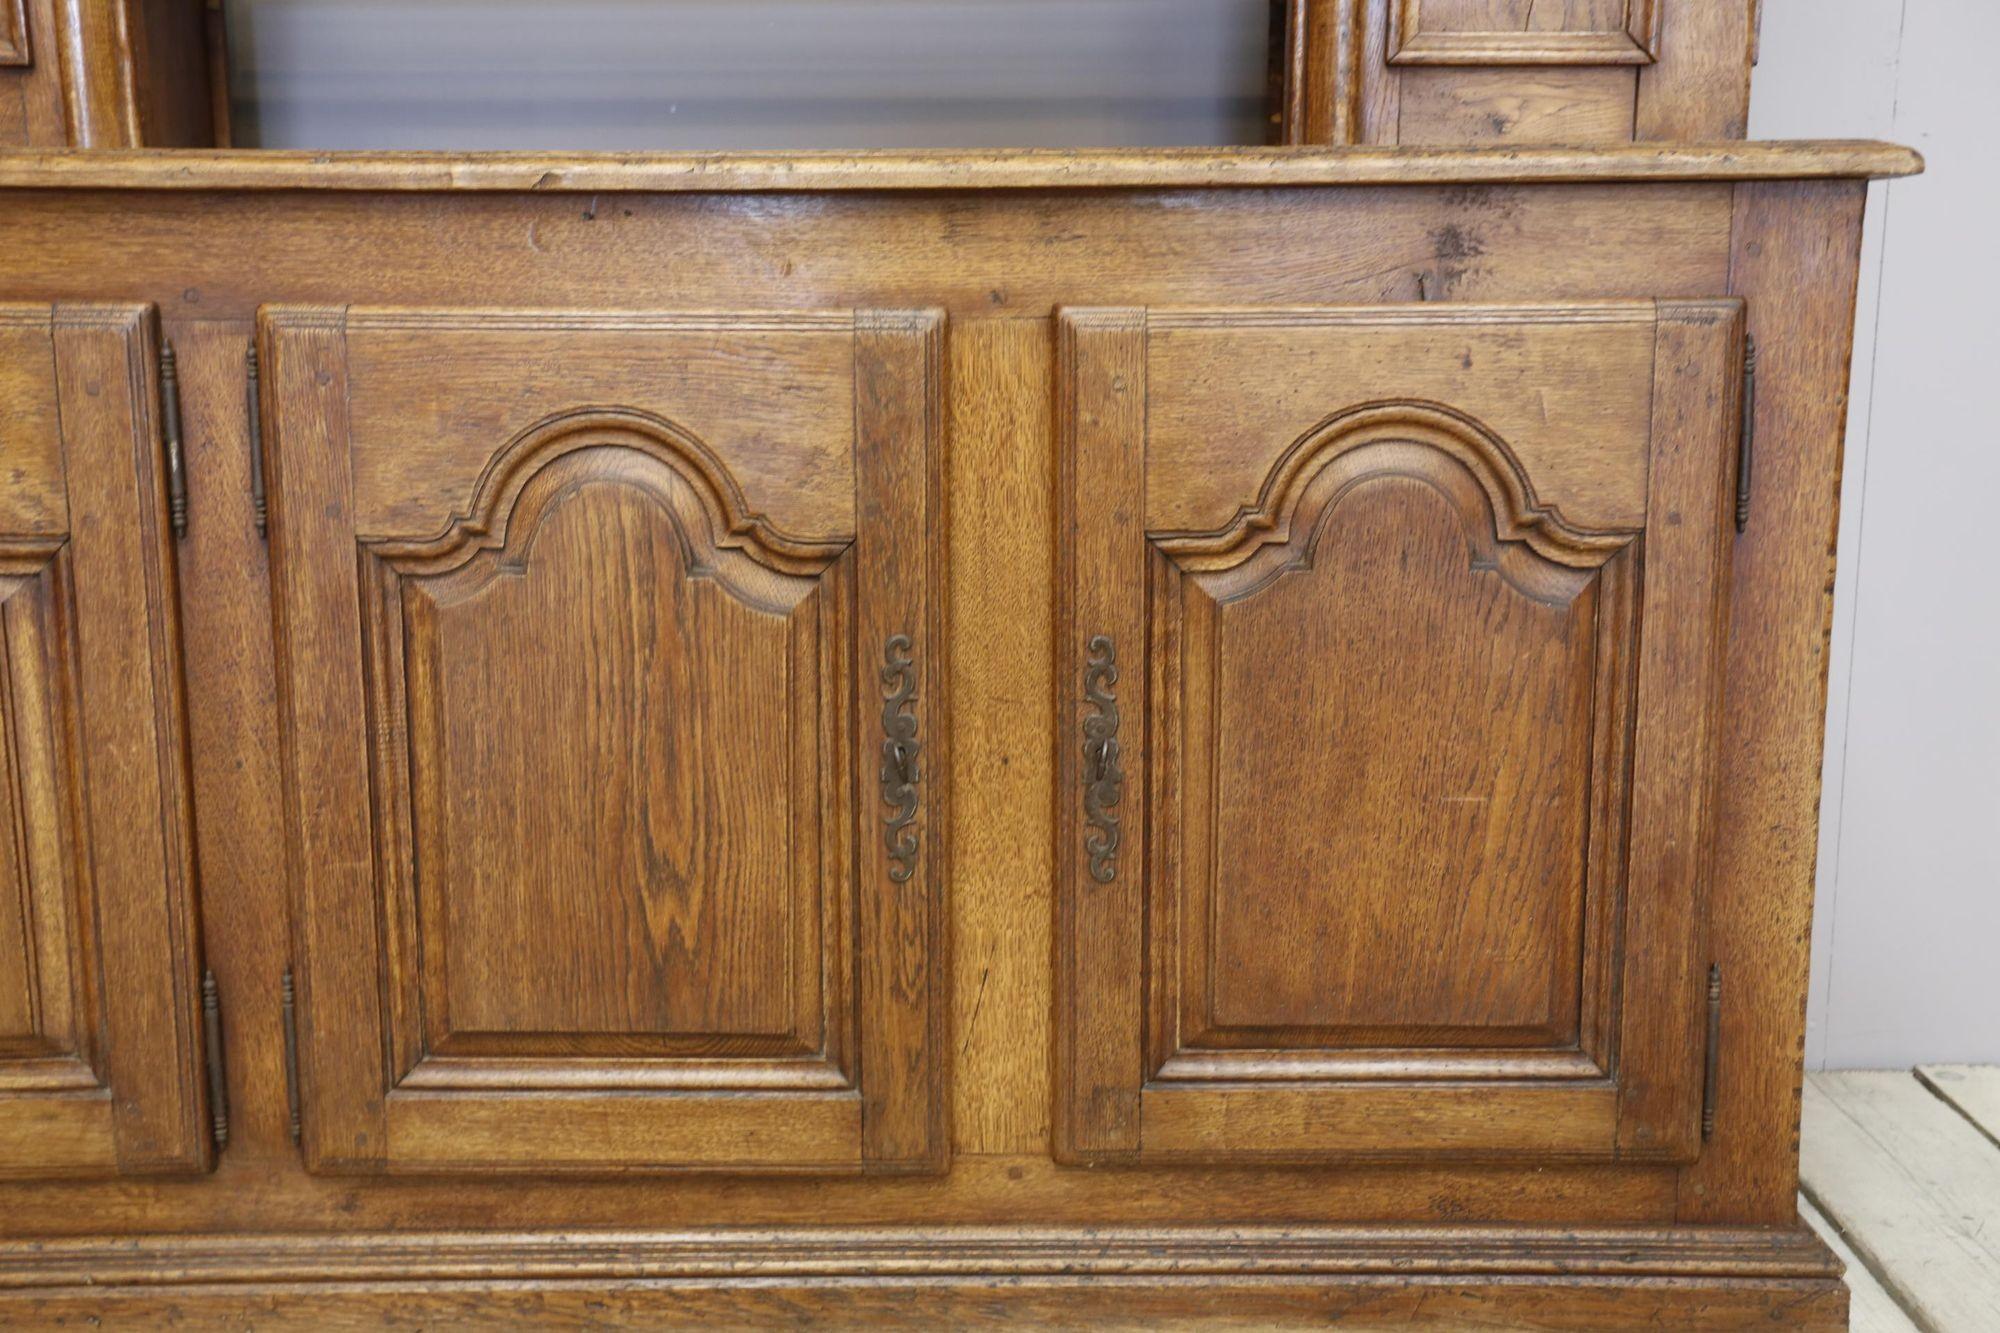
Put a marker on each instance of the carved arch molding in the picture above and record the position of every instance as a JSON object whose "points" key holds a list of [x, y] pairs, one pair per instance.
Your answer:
{"points": [[721, 901], [1558, 594], [1507, 524]]}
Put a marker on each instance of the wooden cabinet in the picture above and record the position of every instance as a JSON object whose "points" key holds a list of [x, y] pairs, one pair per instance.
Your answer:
{"points": [[1434, 72], [100, 1054], [920, 741], [610, 683], [1394, 636], [112, 74]]}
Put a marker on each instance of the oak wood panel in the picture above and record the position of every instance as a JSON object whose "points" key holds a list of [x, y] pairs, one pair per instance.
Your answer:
{"points": [[1698, 87], [13, 114], [232, 734], [101, 1068], [268, 1191], [14, 43], [94, 40], [1565, 1121], [773, 400], [1008, 169], [1797, 257], [1524, 106], [103, 74], [610, 1131], [1696, 411], [1001, 404], [1294, 751], [904, 983], [1246, 387], [1009, 254], [127, 649], [32, 109], [1597, 1304], [44, 942], [1524, 32], [1464, 72], [316, 624], [1120, 1251], [634, 755], [1129, 1278], [34, 501], [1101, 404], [1337, 855], [607, 650]]}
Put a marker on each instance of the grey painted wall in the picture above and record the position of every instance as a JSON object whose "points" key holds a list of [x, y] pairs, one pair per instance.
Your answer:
{"points": [[694, 75], [1906, 941]]}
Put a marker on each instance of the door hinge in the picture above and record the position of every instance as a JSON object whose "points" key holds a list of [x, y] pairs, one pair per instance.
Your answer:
{"points": [[289, 1009], [218, 1081], [1714, 1057], [170, 434], [255, 398], [1746, 440]]}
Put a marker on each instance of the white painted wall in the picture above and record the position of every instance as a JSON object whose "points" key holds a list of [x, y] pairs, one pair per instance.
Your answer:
{"points": [[1906, 941]]}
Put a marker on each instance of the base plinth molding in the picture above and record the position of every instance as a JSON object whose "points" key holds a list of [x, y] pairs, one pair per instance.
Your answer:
{"points": [[1708, 1277]]}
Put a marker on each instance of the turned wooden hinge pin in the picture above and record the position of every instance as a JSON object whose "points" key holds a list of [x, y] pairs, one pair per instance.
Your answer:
{"points": [[288, 1008], [218, 1081], [1746, 444], [170, 432], [1714, 1057]]}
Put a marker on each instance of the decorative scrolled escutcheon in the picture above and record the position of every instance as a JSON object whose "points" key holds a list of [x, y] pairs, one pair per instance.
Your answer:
{"points": [[900, 773], [1103, 783]]}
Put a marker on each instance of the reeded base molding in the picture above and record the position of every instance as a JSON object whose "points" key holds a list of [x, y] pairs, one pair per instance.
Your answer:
{"points": [[1706, 1277]]}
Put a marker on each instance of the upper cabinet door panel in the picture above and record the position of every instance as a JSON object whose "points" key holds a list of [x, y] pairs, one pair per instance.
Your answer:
{"points": [[14, 48], [1394, 633], [99, 1058], [1523, 32], [610, 667]]}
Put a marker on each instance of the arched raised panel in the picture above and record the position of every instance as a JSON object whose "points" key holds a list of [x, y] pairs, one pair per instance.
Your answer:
{"points": [[583, 694], [1393, 661], [1415, 613], [37, 877], [614, 727]]}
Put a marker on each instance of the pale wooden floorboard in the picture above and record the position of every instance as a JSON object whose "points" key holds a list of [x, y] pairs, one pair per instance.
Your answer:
{"points": [[1915, 1189], [1872, 1308], [1973, 1089]]}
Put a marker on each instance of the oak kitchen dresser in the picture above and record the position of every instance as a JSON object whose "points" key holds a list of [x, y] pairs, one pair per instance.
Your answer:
{"points": [[919, 738]]}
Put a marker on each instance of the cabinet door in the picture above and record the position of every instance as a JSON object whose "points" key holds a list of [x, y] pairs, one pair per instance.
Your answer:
{"points": [[1392, 640], [99, 1059], [611, 699]]}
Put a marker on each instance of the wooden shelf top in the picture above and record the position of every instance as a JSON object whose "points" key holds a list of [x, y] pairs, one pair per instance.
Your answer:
{"points": [[1024, 169]]}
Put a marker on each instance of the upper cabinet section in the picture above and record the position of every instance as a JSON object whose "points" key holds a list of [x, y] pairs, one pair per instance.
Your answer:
{"points": [[1425, 73], [111, 74], [792, 75]]}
